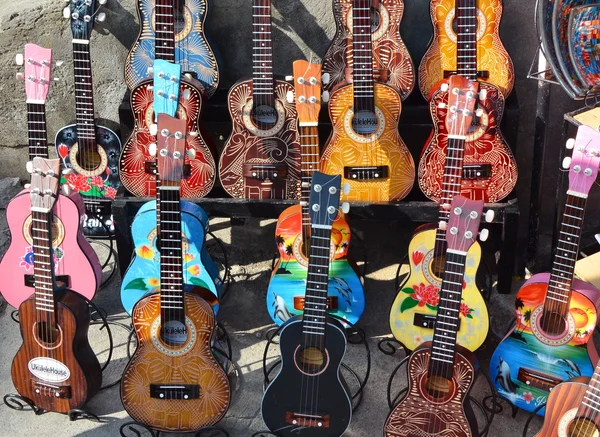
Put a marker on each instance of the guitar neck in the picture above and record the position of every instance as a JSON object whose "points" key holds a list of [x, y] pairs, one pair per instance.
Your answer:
{"points": [[309, 142], [36, 130], [263, 90], [43, 265], [164, 30], [362, 54], [466, 38], [84, 96], [443, 350]]}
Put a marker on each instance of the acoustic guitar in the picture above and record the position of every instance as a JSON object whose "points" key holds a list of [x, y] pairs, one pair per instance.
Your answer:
{"points": [[76, 265], [365, 146], [551, 341], [412, 316], [285, 295], [173, 382], [261, 158], [87, 149], [441, 372], [308, 396], [55, 367], [466, 34]]}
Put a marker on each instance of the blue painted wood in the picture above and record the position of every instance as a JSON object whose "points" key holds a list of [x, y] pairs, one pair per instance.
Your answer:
{"points": [[166, 87]]}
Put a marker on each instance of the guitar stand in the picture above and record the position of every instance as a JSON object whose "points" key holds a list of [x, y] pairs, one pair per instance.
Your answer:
{"points": [[217, 431], [386, 346], [227, 278], [20, 403], [530, 418]]}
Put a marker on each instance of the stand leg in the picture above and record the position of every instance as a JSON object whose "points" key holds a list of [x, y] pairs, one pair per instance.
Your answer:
{"points": [[18, 403], [131, 426], [76, 414]]}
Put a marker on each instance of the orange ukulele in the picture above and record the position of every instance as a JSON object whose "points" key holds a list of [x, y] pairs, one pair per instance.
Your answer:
{"points": [[365, 146], [173, 382], [465, 33]]}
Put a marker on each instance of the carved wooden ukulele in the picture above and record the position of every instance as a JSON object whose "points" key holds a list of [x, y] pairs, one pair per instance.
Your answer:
{"points": [[261, 158], [392, 63], [466, 33], [412, 316], [365, 146], [55, 367], [173, 382], [440, 373]]}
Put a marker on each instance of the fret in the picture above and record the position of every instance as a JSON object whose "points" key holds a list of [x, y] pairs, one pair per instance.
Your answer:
{"points": [[263, 89], [466, 44], [362, 74]]}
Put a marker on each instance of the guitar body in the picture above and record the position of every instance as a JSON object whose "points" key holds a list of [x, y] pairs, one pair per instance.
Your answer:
{"points": [[441, 55], [285, 295], [192, 49], [284, 395], [418, 299], [248, 144], [136, 154], [192, 363], [419, 414], [486, 151], [527, 362], [75, 262], [391, 59], [143, 274], [384, 147], [66, 364]]}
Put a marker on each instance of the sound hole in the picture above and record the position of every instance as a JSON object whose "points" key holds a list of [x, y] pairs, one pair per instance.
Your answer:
{"points": [[47, 333], [57, 233], [437, 266], [375, 19], [455, 25], [88, 157], [174, 333], [582, 427], [311, 360], [364, 122], [438, 387], [264, 116], [553, 323]]}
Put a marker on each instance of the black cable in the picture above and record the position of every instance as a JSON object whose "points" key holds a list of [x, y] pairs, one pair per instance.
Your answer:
{"points": [[391, 380], [108, 331], [225, 336], [530, 418], [359, 392], [14, 315], [397, 278], [129, 344], [392, 349], [495, 404], [364, 247], [227, 278], [276, 331]]}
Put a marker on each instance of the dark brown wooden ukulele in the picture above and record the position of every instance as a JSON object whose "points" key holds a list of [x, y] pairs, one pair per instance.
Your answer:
{"points": [[55, 367]]}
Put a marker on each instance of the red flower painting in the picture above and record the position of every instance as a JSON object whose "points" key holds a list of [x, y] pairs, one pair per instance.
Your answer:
{"points": [[63, 150], [97, 181], [110, 192], [417, 257], [78, 182], [426, 294]]}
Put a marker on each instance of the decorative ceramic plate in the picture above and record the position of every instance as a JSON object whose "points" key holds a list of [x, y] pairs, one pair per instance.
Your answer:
{"points": [[584, 44]]}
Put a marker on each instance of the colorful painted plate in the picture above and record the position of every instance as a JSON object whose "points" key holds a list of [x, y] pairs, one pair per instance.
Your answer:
{"points": [[584, 44]]}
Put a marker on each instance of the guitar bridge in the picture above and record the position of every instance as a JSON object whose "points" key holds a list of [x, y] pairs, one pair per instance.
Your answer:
{"points": [[481, 74], [474, 172], [360, 173], [55, 391], [332, 303], [150, 168], [265, 172], [427, 321], [307, 420], [175, 391], [536, 379]]}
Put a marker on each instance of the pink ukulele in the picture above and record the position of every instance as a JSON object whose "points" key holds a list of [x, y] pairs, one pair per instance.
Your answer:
{"points": [[76, 263]]}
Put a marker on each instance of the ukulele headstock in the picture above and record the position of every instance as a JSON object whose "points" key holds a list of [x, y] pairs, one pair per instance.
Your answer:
{"points": [[462, 97], [463, 225], [307, 86], [166, 87], [324, 200], [171, 142], [583, 165], [45, 180], [38, 67], [83, 14]]}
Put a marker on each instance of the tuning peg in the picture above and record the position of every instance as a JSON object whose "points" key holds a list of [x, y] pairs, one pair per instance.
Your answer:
{"points": [[443, 225], [20, 76], [191, 153], [303, 203], [153, 129], [484, 235], [325, 78], [305, 184], [566, 164], [594, 152], [152, 149], [312, 99], [66, 189], [192, 134], [19, 59], [27, 186], [289, 96], [29, 167], [345, 207], [489, 216], [301, 99], [66, 13], [483, 94], [479, 112], [325, 96], [442, 105], [67, 171], [313, 80], [150, 70], [101, 17], [346, 188], [570, 143], [102, 2], [301, 80], [289, 78], [445, 206], [444, 87]]}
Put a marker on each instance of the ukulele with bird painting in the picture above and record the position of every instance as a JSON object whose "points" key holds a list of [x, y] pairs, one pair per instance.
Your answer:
{"points": [[89, 151], [412, 316], [556, 314], [309, 396], [261, 158], [285, 295], [76, 265], [55, 367], [365, 146], [441, 372], [466, 34], [392, 63], [173, 382]]}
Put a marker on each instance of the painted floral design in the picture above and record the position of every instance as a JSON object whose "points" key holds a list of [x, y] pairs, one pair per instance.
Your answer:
{"points": [[421, 295], [417, 257], [527, 397], [465, 310], [95, 186], [27, 258]]}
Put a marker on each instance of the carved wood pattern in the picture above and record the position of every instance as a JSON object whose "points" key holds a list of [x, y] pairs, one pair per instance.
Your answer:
{"points": [[136, 150], [417, 416], [483, 146], [149, 365], [390, 55], [563, 401], [386, 150]]}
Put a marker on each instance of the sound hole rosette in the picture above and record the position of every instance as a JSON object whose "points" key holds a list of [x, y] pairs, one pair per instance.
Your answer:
{"points": [[44, 345], [548, 339], [181, 32], [98, 170], [428, 271], [311, 353], [58, 231], [359, 138], [173, 351], [255, 130], [381, 29], [448, 396], [568, 426], [299, 254], [449, 25]]}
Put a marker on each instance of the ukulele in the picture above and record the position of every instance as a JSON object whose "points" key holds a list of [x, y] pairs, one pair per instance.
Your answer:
{"points": [[466, 33], [412, 315], [556, 313], [441, 372], [573, 407], [308, 395], [76, 265], [365, 146], [143, 276], [173, 382], [88, 150], [261, 158], [285, 296], [55, 367], [392, 63], [160, 20]]}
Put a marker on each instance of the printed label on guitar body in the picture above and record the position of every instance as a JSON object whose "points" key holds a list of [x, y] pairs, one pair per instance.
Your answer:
{"points": [[48, 369], [174, 333]]}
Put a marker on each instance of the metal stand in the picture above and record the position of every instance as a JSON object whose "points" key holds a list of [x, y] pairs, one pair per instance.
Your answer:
{"points": [[20, 403], [207, 431], [530, 418]]}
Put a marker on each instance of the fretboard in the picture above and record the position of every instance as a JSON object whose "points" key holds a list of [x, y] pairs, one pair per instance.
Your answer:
{"points": [[466, 38], [558, 295], [36, 130], [362, 70], [41, 232], [262, 54], [446, 322], [590, 404], [84, 98], [309, 141], [164, 30]]}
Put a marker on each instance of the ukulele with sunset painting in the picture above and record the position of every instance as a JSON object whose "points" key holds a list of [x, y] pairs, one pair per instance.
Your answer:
{"points": [[392, 63], [285, 296], [55, 367], [441, 372], [551, 341], [412, 316], [365, 147], [173, 382], [76, 265]]}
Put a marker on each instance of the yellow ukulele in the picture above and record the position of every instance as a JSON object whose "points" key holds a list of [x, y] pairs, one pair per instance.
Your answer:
{"points": [[412, 316], [365, 146]]}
